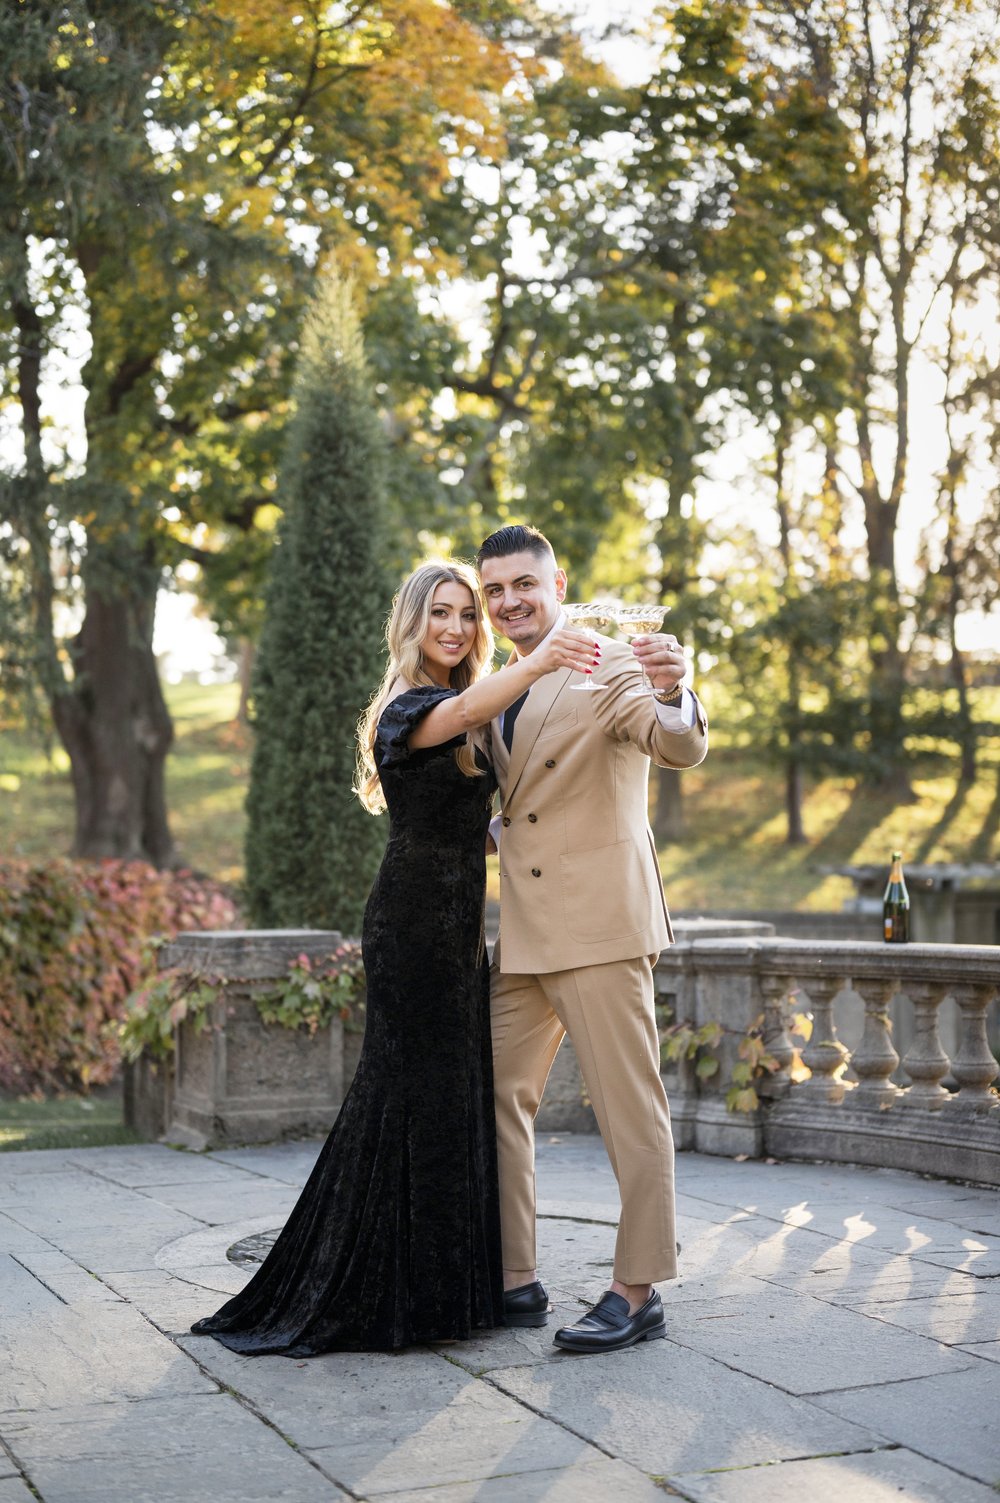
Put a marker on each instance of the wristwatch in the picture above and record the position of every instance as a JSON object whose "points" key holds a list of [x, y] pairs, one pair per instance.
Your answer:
{"points": [[668, 696]]}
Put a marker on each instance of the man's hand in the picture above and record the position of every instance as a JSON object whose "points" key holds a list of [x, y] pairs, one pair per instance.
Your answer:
{"points": [[663, 659]]}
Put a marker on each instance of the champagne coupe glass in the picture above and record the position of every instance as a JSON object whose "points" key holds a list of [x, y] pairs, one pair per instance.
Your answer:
{"points": [[636, 621], [587, 614]]}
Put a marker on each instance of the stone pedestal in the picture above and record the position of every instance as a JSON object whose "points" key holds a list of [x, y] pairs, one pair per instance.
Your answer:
{"points": [[239, 1079]]}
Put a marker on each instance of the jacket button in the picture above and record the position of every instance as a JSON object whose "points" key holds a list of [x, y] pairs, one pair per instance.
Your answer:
{"points": [[532, 819], [550, 763], [535, 872], [505, 820]]}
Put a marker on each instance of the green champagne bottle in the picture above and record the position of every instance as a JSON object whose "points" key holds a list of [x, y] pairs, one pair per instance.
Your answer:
{"points": [[896, 905]]}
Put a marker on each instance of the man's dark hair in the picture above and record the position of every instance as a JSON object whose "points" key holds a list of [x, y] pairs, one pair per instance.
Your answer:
{"points": [[518, 539]]}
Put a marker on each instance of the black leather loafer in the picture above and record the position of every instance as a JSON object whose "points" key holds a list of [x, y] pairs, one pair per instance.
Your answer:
{"points": [[526, 1306], [608, 1327]]}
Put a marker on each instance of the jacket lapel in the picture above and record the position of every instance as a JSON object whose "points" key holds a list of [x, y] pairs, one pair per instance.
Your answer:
{"points": [[536, 707]]}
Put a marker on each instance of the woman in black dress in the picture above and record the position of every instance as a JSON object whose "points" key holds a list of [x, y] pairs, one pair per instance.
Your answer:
{"points": [[395, 1239]]}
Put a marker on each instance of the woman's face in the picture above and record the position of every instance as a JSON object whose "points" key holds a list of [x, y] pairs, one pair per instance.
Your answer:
{"points": [[450, 631]]}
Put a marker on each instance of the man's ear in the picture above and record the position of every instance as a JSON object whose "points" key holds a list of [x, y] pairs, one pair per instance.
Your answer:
{"points": [[561, 583]]}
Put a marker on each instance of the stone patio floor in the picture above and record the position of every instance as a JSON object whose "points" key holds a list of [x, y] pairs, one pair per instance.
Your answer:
{"points": [[834, 1335]]}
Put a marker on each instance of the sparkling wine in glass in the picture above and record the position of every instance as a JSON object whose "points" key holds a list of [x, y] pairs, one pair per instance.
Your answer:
{"points": [[637, 621], [587, 614]]}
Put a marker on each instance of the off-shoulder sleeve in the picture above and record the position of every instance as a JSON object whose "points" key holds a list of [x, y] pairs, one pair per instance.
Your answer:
{"points": [[400, 719]]}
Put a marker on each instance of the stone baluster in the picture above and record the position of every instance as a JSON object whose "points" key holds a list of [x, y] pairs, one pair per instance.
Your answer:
{"points": [[777, 1039], [974, 1066], [925, 1062], [875, 1058], [824, 1054]]}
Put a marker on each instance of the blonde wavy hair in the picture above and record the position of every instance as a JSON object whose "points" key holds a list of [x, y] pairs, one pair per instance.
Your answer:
{"points": [[407, 626]]}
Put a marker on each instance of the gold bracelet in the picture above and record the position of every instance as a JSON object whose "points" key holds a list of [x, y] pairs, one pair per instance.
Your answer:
{"points": [[668, 696]]}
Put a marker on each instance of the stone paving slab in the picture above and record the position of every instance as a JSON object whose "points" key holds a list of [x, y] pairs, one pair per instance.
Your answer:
{"points": [[789, 1275], [773, 1337], [988, 1349], [380, 1423], [13, 1490], [66, 1279], [34, 1161], [951, 1418], [173, 1303], [221, 1202], [125, 1249], [956, 1319], [876, 1476], [220, 1281], [666, 1409], [164, 1451], [602, 1481], [980, 1256], [517, 1347], [18, 1239], [51, 1196], [976, 1213], [288, 1162], [141, 1164], [51, 1353], [883, 1230], [895, 1279]]}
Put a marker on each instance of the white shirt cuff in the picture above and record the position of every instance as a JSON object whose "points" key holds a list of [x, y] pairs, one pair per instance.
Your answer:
{"points": [[679, 716], [495, 829]]}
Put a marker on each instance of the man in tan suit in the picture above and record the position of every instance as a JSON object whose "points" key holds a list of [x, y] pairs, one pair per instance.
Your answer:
{"points": [[582, 920]]}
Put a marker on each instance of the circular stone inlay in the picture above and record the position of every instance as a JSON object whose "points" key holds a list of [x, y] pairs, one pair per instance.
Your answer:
{"points": [[253, 1249]]}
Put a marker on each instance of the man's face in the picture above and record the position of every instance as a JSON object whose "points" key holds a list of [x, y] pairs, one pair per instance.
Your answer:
{"points": [[523, 592]]}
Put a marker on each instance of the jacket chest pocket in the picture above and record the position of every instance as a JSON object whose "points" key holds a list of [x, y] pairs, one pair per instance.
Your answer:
{"points": [[558, 725]]}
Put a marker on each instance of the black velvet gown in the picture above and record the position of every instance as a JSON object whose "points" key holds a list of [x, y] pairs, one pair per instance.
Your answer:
{"points": [[395, 1239]]}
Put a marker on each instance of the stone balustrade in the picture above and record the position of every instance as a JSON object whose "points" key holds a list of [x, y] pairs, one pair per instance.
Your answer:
{"points": [[845, 1094], [825, 1100]]}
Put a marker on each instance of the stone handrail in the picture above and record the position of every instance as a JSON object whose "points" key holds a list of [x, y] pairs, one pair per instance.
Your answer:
{"points": [[818, 1111]]}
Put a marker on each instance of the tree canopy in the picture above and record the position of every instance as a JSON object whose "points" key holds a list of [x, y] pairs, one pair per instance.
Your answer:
{"points": [[580, 297]]}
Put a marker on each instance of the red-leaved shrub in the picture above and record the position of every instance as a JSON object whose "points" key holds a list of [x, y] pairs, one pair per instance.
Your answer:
{"points": [[74, 942]]}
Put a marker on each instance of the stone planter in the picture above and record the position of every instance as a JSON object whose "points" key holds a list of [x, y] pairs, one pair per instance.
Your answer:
{"points": [[241, 1080], [148, 1096]]}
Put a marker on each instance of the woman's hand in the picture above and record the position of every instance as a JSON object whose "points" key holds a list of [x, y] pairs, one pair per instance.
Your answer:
{"points": [[567, 648]]}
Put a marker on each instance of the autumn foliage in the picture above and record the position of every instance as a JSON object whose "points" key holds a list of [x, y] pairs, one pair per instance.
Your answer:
{"points": [[74, 941]]}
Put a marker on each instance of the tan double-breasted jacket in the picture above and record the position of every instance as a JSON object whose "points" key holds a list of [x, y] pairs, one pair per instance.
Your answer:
{"points": [[579, 879]]}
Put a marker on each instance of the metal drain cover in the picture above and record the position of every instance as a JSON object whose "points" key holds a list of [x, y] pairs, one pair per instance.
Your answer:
{"points": [[253, 1249]]}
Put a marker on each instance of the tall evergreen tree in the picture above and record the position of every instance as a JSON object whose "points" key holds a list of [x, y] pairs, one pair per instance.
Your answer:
{"points": [[311, 849]]}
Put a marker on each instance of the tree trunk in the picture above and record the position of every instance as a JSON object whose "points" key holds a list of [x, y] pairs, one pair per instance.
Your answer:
{"points": [[668, 816], [115, 726], [966, 724], [888, 681], [795, 833]]}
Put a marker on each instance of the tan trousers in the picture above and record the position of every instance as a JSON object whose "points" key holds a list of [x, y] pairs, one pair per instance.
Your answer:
{"points": [[607, 1010]]}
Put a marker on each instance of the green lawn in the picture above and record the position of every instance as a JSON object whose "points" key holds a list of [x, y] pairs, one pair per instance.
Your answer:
{"points": [[206, 782], [736, 856], [64, 1122]]}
